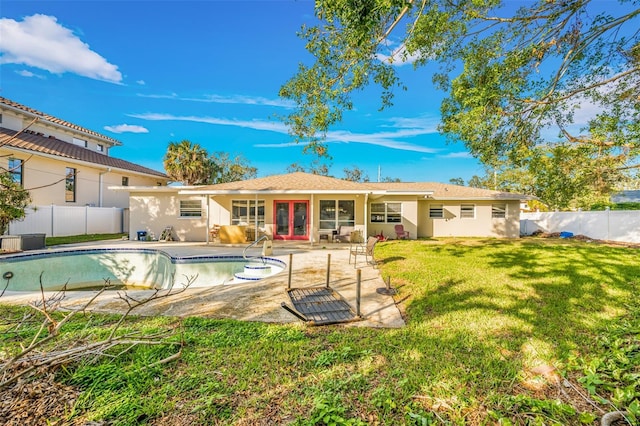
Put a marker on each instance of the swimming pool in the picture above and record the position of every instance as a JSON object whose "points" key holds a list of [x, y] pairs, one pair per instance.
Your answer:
{"points": [[128, 268]]}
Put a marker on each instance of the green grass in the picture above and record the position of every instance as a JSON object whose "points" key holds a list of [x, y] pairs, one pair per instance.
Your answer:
{"points": [[54, 241], [494, 328]]}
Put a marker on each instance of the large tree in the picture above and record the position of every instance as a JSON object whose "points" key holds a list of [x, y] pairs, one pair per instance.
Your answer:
{"points": [[515, 79], [230, 169], [188, 163]]}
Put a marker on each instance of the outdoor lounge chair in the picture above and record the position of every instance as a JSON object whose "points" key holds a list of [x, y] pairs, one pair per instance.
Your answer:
{"points": [[344, 234], [363, 249], [401, 234]]}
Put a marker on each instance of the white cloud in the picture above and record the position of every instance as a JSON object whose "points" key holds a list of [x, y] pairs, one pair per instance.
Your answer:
{"points": [[39, 41], [461, 154], [141, 82], [233, 99], [29, 74], [398, 56], [387, 139], [126, 128]]}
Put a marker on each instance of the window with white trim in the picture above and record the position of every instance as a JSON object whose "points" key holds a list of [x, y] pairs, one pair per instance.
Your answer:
{"points": [[190, 208], [243, 212], [100, 148], [125, 181], [70, 185], [467, 211], [16, 170], [80, 142], [386, 212], [499, 211], [436, 211], [336, 213]]}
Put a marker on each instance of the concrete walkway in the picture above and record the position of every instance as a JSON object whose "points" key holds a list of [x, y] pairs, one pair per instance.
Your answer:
{"points": [[253, 301]]}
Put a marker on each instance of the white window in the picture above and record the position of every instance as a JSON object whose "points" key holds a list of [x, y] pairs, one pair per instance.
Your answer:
{"points": [[100, 148], [80, 142], [125, 181], [467, 211], [436, 211], [386, 212], [190, 208], [498, 211], [336, 213], [243, 212]]}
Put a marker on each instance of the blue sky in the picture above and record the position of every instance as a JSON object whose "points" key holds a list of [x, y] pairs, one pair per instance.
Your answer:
{"points": [[151, 72]]}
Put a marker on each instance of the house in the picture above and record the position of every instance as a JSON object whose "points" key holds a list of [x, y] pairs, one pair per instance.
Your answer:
{"points": [[61, 163], [307, 207]]}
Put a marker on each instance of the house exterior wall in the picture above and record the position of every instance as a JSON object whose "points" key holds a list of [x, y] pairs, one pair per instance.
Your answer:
{"points": [[44, 177], [220, 210], [481, 225], [409, 219], [153, 212]]}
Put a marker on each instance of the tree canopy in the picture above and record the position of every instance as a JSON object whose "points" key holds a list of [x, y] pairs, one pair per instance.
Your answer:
{"points": [[191, 164], [14, 199], [523, 85]]}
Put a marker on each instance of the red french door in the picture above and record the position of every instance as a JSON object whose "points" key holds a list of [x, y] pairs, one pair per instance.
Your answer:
{"points": [[291, 219]]}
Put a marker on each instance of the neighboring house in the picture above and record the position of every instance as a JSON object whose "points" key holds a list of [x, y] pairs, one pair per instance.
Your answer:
{"points": [[301, 206], [61, 163]]}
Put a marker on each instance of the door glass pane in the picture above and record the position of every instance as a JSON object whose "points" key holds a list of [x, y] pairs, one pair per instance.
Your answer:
{"points": [[282, 218], [300, 219]]}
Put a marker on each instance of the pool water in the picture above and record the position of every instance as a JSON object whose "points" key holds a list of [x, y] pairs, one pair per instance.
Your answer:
{"points": [[128, 268]]}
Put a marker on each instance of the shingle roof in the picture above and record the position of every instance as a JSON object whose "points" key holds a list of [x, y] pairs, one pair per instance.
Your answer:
{"points": [[53, 146], [301, 182], [447, 191], [44, 116], [297, 181]]}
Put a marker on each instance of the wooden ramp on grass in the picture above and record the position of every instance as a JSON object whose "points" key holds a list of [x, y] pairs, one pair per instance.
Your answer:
{"points": [[319, 306]]}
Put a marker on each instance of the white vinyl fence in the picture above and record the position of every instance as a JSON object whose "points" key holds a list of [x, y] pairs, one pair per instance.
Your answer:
{"points": [[611, 225], [59, 221]]}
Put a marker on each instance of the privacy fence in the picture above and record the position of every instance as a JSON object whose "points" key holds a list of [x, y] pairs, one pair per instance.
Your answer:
{"points": [[59, 221], [611, 225]]}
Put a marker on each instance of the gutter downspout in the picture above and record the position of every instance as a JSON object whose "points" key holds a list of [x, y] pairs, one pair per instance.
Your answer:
{"points": [[366, 215], [255, 218], [100, 181], [312, 235], [208, 222]]}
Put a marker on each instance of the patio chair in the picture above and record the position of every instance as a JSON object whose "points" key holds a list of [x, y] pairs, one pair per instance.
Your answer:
{"points": [[401, 234], [343, 234], [364, 249]]}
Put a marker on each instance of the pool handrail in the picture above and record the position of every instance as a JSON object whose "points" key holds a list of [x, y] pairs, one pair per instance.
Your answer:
{"points": [[244, 252]]}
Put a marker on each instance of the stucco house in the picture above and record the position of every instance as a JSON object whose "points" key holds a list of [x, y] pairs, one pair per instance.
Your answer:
{"points": [[307, 207], [61, 163]]}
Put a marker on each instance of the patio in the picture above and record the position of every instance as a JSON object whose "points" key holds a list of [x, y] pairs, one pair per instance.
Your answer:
{"points": [[253, 301]]}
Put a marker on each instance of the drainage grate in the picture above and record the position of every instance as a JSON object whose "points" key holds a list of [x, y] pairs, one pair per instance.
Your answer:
{"points": [[320, 305]]}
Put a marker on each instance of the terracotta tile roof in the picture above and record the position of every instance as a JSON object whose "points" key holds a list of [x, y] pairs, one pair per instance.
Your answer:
{"points": [[289, 182], [44, 116], [301, 182], [58, 148]]}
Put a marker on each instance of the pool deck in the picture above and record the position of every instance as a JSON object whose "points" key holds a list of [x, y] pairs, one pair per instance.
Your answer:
{"points": [[252, 301]]}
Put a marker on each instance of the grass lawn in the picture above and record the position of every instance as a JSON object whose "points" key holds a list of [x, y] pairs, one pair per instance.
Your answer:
{"points": [[531, 331], [54, 241]]}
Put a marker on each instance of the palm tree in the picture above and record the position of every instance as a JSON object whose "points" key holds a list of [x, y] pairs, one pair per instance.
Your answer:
{"points": [[188, 163]]}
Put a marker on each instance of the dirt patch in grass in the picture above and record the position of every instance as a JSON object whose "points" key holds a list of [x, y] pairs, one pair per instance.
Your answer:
{"points": [[38, 402]]}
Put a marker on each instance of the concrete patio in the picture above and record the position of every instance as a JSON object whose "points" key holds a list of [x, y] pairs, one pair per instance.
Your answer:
{"points": [[252, 301]]}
